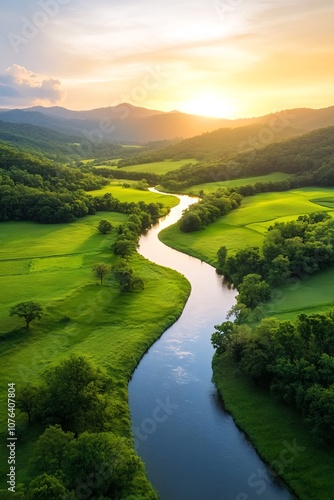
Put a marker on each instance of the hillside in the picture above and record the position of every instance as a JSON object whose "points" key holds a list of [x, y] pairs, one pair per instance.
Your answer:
{"points": [[55, 145], [298, 155], [217, 145]]}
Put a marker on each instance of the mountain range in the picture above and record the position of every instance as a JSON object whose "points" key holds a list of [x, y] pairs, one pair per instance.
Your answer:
{"points": [[126, 123]]}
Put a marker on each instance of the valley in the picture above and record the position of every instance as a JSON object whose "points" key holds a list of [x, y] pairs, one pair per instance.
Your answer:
{"points": [[50, 211]]}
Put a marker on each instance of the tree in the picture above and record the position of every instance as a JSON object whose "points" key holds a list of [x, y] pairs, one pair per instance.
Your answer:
{"points": [[100, 271], [279, 271], [221, 338], [104, 464], [46, 487], [104, 226], [51, 450], [27, 399], [253, 291], [76, 394], [128, 281], [124, 247], [221, 256], [27, 310]]}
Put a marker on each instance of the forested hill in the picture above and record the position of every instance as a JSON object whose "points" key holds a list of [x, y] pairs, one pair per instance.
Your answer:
{"points": [[41, 142], [38, 189], [308, 153], [217, 145], [226, 141], [301, 154]]}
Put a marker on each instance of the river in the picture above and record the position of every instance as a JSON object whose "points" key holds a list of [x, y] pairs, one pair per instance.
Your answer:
{"points": [[190, 445]]}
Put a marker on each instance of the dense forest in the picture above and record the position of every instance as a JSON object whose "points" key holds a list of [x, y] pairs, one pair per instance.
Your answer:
{"points": [[305, 154], [294, 361]]}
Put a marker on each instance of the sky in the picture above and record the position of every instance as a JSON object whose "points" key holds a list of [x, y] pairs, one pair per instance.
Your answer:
{"points": [[226, 58]]}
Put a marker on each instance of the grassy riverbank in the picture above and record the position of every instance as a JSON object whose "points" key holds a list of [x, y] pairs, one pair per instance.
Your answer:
{"points": [[52, 264], [277, 433], [246, 225]]}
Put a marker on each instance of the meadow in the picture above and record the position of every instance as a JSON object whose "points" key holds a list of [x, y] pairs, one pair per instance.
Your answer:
{"points": [[130, 194], [247, 225], [210, 187], [52, 264], [159, 167]]}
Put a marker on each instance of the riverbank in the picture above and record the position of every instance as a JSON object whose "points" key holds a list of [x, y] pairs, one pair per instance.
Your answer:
{"points": [[277, 433], [113, 329]]}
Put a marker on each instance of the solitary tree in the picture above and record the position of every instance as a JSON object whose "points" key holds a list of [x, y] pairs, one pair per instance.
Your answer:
{"points": [[100, 271], [104, 226], [27, 310]]}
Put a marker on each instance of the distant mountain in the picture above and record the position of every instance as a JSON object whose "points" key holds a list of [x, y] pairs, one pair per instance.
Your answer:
{"points": [[127, 123], [306, 119], [122, 123]]}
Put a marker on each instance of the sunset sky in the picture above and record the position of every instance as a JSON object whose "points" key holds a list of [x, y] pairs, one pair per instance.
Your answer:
{"points": [[228, 58]]}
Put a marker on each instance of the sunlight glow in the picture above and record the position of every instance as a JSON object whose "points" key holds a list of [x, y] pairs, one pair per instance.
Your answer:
{"points": [[209, 104]]}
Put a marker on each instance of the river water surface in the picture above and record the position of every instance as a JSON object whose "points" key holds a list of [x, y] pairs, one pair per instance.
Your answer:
{"points": [[190, 445]]}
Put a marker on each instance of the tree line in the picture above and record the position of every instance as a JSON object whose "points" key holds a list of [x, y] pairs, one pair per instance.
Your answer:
{"points": [[211, 207], [291, 249], [293, 361]]}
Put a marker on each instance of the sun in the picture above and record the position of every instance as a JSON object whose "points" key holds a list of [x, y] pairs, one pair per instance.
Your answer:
{"points": [[210, 105]]}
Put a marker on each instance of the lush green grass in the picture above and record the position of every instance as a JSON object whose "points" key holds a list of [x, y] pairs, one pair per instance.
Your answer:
{"points": [[49, 261], [246, 225], [273, 428], [159, 167], [135, 195], [312, 294], [209, 187], [52, 264]]}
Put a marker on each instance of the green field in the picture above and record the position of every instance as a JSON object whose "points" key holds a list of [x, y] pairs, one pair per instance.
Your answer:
{"points": [[210, 187], [273, 429], [159, 167], [131, 194], [312, 294], [247, 224], [52, 264]]}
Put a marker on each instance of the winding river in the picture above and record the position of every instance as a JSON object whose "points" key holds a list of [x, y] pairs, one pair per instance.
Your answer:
{"points": [[190, 445]]}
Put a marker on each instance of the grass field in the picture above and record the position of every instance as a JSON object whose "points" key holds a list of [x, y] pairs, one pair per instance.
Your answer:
{"points": [[131, 194], [52, 264], [273, 430], [311, 295], [209, 187], [160, 167], [246, 225]]}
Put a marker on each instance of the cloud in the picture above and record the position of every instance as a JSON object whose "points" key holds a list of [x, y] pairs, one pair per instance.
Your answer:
{"points": [[21, 87]]}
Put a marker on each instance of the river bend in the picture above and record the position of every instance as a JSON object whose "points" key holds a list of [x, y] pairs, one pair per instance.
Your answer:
{"points": [[190, 445]]}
